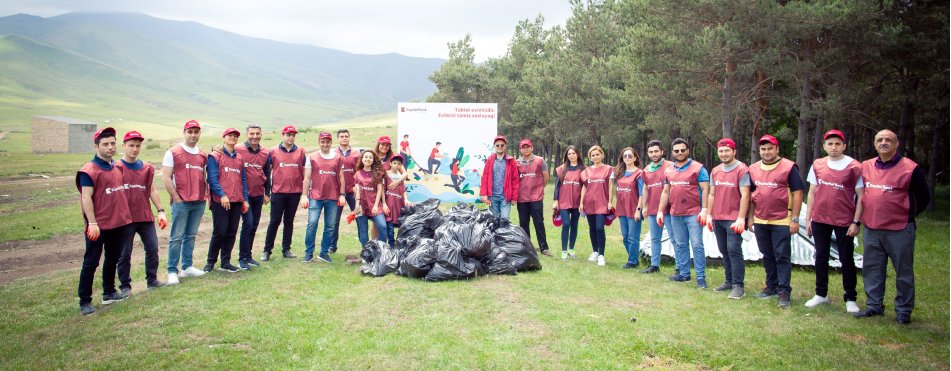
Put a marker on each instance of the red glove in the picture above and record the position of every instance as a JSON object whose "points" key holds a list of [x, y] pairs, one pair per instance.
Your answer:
{"points": [[162, 223], [710, 227], [660, 220], [244, 208], [92, 232], [351, 217]]}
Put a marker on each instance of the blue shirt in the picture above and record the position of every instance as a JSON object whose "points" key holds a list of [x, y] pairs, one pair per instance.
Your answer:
{"points": [[702, 177], [85, 180], [137, 165], [640, 183], [212, 166], [498, 176]]}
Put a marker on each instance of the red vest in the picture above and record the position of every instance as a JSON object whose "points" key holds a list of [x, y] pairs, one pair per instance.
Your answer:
{"points": [[324, 177], [229, 177], [834, 202], [771, 196], [254, 169], [189, 174], [569, 195], [595, 181], [684, 198], [627, 197], [726, 191], [886, 204], [654, 186], [139, 183], [109, 201], [531, 180], [287, 170], [364, 180], [349, 168], [394, 201]]}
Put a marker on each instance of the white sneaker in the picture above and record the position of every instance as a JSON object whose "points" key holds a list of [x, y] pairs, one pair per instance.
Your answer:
{"points": [[192, 272], [173, 279], [600, 260], [851, 307], [593, 257], [816, 300]]}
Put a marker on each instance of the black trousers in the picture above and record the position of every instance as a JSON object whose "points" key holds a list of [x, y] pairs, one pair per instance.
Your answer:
{"points": [[731, 247], [533, 210], [283, 208], [774, 244], [822, 234], [146, 232], [249, 227], [110, 242], [224, 232]]}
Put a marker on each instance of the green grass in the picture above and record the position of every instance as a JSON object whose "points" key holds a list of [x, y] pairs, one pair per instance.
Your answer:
{"points": [[570, 315]]}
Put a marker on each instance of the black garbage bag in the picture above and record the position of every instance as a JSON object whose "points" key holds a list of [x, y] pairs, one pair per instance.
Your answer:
{"points": [[385, 261], [452, 265], [498, 262], [421, 224], [407, 211], [420, 260], [512, 240], [475, 239]]}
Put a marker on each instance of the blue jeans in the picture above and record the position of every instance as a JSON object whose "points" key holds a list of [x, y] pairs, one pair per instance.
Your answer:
{"points": [[329, 207], [363, 231], [351, 202], [596, 232], [391, 233], [499, 207], [569, 228], [186, 216], [688, 233], [631, 232], [656, 232]]}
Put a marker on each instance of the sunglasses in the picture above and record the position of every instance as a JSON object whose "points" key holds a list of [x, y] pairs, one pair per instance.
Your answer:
{"points": [[680, 151], [500, 145], [629, 156]]}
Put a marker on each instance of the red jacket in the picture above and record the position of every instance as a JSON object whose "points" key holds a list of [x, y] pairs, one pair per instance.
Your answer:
{"points": [[509, 187]]}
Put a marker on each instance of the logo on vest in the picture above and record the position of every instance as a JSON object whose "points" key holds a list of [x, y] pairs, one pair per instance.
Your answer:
{"points": [[831, 184], [347, 169], [123, 187], [140, 187], [623, 189], [256, 166], [399, 196], [520, 176], [368, 189], [571, 182], [766, 184], [723, 183], [325, 172], [679, 183], [231, 170], [590, 181], [288, 164], [883, 187], [190, 166], [655, 185]]}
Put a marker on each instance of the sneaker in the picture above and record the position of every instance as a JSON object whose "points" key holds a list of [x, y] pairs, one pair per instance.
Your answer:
{"points": [[252, 262], [869, 312], [903, 318], [564, 255], [546, 252], [87, 309], [289, 255], [851, 307], [173, 278], [243, 265], [679, 278], [156, 284], [629, 265], [725, 286], [227, 267], [127, 292], [333, 250], [783, 300], [593, 257], [737, 292], [192, 272], [308, 258], [701, 283], [114, 297], [601, 260], [325, 258], [766, 293], [651, 269], [266, 256], [208, 268], [571, 253], [816, 300]]}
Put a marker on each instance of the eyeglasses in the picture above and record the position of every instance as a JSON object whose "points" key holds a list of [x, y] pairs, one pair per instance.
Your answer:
{"points": [[680, 150], [628, 156], [500, 145]]}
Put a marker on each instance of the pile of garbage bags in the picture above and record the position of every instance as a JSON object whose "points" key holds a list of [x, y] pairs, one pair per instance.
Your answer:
{"points": [[464, 243]]}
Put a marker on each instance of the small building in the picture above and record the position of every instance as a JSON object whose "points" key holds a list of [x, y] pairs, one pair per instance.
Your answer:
{"points": [[57, 134]]}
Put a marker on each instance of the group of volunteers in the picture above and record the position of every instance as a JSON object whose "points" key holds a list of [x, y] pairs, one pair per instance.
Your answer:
{"points": [[883, 194]]}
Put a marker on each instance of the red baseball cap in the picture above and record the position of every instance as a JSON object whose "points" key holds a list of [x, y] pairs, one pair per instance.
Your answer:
{"points": [[384, 139], [230, 131], [768, 139], [726, 142], [397, 157], [289, 129], [556, 219], [525, 142], [833, 133], [324, 134], [191, 124], [133, 135], [498, 138], [101, 132], [609, 219]]}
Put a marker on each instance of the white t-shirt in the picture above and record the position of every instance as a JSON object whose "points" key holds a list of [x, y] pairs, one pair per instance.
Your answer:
{"points": [[326, 156], [169, 160], [836, 165]]}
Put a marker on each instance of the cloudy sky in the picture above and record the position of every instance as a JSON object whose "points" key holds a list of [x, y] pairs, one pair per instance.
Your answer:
{"points": [[419, 28]]}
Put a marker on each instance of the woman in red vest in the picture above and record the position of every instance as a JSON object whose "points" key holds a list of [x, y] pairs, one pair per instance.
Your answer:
{"points": [[597, 181], [229, 199], [629, 203], [568, 199], [368, 192]]}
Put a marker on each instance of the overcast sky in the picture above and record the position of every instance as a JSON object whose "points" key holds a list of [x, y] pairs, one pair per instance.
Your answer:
{"points": [[419, 28]]}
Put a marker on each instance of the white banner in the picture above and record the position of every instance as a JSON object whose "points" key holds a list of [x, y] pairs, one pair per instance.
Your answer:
{"points": [[448, 144]]}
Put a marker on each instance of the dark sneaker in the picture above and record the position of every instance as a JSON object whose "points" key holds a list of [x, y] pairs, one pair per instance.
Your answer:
{"points": [[651, 269], [289, 255], [252, 262], [227, 267], [737, 292], [783, 300], [903, 318], [308, 258], [325, 258], [127, 292], [725, 286], [546, 252], [701, 284], [243, 265], [766, 293], [87, 309], [870, 312], [114, 297], [266, 256], [629, 265], [208, 268], [156, 284], [333, 250], [679, 278]]}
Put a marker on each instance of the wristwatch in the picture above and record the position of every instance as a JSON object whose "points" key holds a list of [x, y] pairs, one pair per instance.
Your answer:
{"points": [[795, 220], [857, 223]]}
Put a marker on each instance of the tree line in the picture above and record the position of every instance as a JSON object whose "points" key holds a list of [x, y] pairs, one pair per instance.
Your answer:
{"points": [[623, 72]]}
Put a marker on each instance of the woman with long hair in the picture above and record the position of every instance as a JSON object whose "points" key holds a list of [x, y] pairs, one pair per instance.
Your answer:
{"points": [[455, 177], [597, 181], [368, 192], [629, 204], [568, 198]]}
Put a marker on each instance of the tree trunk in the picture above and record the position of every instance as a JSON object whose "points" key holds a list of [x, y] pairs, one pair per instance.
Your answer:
{"points": [[906, 127], [802, 139], [817, 139], [726, 106], [936, 155], [762, 106]]}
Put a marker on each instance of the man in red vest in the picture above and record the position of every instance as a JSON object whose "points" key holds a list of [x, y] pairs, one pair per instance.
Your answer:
{"points": [[653, 188], [106, 214], [533, 176], [777, 197], [895, 192], [184, 177], [287, 180], [834, 206], [686, 184], [257, 167], [324, 186], [729, 203], [348, 157]]}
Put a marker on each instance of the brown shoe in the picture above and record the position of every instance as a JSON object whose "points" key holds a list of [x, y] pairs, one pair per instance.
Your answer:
{"points": [[546, 252]]}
